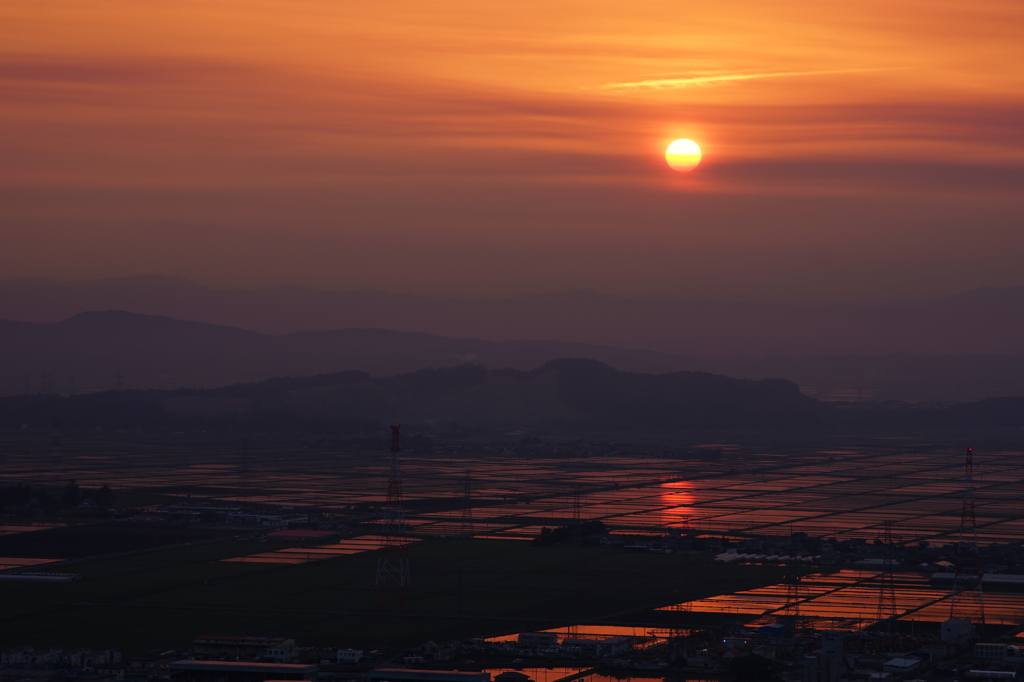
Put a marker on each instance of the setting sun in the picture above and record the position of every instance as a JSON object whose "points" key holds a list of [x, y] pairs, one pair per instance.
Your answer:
{"points": [[683, 155]]}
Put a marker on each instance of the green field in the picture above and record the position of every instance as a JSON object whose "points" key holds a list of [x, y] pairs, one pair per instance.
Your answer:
{"points": [[165, 598]]}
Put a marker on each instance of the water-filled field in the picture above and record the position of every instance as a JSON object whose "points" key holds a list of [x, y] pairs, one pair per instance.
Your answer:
{"points": [[844, 490], [825, 490]]}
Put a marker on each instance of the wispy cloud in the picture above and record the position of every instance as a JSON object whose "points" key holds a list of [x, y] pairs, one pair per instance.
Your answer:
{"points": [[714, 78]]}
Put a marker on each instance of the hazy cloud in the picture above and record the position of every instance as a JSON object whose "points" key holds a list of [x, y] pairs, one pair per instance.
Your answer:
{"points": [[715, 78]]}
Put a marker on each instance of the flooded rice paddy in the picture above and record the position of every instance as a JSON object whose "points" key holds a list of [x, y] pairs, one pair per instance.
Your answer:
{"points": [[304, 554], [559, 673], [22, 562], [719, 489], [539, 674], [842, 493], [849, 599]]}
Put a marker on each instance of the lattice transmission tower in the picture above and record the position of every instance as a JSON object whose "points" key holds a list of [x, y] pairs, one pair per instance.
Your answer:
{"points": [[967, 600], [576, 530], [393, 563], [887, 609], [794, 595]]}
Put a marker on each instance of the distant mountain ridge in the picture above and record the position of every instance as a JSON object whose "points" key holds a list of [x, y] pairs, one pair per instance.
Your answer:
{"points": [[560, 397], [561, 394], [983, 321], [103, 350], [97, 351]]}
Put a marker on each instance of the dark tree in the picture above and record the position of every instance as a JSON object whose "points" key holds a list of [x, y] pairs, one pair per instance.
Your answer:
{"points": [[562, 534], [72, 495], [103, 497]]}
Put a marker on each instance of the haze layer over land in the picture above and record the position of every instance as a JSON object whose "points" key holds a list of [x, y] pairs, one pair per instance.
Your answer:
{"points": [[984, 321], [969, 344]]}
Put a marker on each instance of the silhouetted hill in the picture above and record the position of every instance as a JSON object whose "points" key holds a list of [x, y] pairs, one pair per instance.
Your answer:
{"points": [[909, 377], [564, 393], [678, 400], [102, 350], [984, 321], [97, 350]]}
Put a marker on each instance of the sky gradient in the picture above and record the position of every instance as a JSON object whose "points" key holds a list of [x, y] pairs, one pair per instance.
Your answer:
{"points": [[860, 151]]}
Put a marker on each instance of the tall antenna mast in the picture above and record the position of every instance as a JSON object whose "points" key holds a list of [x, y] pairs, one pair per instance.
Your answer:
{"points": [[393, 563], [966, 602]]}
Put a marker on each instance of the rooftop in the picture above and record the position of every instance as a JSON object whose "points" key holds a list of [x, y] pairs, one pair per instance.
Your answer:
{"points": [[240, 639], [246, 667]]}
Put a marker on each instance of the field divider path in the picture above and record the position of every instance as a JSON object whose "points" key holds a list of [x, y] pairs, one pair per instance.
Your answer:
{"points": [[577, 675], [861, 581]]}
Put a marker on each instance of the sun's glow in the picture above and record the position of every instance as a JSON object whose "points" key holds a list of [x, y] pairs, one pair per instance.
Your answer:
{"points": [[683, 155]]}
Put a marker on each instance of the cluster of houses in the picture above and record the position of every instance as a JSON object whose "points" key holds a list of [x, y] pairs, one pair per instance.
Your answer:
{"points": [[828, 656], [266, 516], [55, 657]]}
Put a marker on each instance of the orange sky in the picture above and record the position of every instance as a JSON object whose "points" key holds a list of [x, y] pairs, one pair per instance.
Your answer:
{"points": [[851, 150]]}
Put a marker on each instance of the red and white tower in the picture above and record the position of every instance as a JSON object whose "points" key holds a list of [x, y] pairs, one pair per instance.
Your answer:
{"points": [[967, 600], [393, 563]]}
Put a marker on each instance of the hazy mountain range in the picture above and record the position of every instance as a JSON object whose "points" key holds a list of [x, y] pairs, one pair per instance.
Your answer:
{"points": [[984, 321], [981, 333], [562, 394], [557, 397], [103, 350]]}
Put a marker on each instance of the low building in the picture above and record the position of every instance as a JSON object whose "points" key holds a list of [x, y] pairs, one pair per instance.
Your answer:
{"points": [[112, 672], [239, 645], [537, 639], [349, 656], [288, 653], [998, 652], [241, 671], [902, 665], [699, 661], [956, 631], [991, 675], [28, 656], [829, 555], [87, 658], [601, 648], [936, 650], [413, 675], [831, 658]]}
